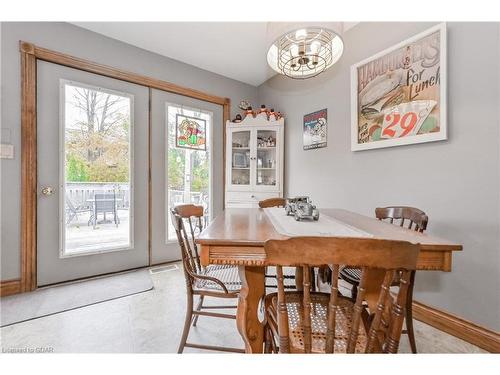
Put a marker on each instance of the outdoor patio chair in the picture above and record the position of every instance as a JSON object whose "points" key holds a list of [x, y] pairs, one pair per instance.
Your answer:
{"points": [[73, 210], [104, 203]]}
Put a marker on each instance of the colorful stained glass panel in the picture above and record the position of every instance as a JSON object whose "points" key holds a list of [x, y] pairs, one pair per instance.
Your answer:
{"points": [[191, 132]]}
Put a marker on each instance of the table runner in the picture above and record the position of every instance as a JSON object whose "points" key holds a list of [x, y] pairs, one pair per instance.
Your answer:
{"points": [[326, 226]]}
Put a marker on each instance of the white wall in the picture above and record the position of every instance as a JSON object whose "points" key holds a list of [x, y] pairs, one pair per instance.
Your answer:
{"points": [[82, 43], [455, 181]]}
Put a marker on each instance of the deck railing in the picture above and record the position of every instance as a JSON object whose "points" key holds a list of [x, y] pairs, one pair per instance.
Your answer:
{"points": [[81, 194]]}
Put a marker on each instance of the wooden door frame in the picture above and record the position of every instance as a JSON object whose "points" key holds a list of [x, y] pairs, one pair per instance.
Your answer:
{"points": [[30, 54]]}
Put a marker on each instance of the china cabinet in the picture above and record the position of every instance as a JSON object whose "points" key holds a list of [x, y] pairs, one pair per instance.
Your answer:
{"points": [[254, 161]]}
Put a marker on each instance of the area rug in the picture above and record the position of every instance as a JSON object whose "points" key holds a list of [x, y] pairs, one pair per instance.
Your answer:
{"points": [[52, 300]]}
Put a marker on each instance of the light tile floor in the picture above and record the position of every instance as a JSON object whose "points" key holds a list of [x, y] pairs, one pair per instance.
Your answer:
{"points": [[152, 322]]}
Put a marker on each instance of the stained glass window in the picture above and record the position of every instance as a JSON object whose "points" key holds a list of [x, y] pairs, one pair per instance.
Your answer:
{"points": [[191, 132]]}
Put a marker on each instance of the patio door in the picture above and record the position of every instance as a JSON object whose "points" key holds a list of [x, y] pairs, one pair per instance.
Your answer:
{"points": [[92, 174], [186, 164]]}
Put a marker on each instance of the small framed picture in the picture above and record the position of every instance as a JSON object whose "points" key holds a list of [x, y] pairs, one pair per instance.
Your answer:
{"points": [[239, 160], [315, 129]]}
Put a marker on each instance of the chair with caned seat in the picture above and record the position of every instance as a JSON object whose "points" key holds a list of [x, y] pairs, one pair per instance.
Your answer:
{"points": [[411, 218], [315, 322], [218, 281], [278, 202]]}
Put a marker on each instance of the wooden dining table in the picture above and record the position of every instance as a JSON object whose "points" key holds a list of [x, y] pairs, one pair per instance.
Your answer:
{"points": [[237, 237]]}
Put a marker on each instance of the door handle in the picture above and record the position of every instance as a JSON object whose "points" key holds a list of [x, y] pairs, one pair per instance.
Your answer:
{"points": [[47, 191]]}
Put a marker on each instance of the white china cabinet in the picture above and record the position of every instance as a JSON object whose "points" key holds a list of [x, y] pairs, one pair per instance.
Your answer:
{"points": [[254, 161]]}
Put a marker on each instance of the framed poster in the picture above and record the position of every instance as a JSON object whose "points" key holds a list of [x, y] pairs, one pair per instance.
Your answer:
{"points": [[190, 132], [315, 129], [398, 96]]}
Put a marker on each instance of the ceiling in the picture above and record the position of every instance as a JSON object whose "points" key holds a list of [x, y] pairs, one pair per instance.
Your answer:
{"points": [[233, 49]]}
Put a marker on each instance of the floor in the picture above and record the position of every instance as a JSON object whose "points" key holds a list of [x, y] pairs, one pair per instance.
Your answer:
{"points": [[151, 322], [82, 237]]}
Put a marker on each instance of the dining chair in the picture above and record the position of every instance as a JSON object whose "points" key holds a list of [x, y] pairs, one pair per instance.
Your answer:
{"points": [[218, 281], [316, 322], [411, 218], [279, 202], [272, 202]]}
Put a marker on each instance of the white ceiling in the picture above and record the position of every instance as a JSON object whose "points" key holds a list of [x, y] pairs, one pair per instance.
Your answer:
{"points": [[233, 49]]}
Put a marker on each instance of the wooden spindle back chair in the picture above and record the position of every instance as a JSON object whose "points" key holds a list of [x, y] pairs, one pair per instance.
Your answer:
{"points": [[280, 202], [314, 322], [272, 202], [414, 218], [404, 216], [219, 281]]}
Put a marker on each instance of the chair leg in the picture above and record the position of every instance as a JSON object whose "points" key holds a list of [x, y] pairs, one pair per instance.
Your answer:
{"points": [[354, 292], [409, 314], [267, 340], [187, 323], [198, 308], [313, 279]]}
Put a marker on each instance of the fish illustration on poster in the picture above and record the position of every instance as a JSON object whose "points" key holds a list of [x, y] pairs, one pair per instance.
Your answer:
{"points": [[399, 95], [315, 129]]}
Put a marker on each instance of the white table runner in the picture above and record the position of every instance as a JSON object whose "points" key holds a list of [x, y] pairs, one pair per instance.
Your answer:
{"points": [[326, 226]]}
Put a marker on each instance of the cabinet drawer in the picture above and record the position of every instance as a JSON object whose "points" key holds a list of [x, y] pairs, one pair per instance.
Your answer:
{"points": [[245, 196]]}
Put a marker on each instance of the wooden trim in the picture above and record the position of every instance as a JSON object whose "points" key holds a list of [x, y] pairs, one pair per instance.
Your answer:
{"points": [[150, 178], [226, 116], [123, 75], [9, 287], [30, 53], [458, 327], [28, 169]]}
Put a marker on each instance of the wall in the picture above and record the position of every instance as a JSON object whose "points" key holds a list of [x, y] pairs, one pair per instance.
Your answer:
{"points": [[82, 43], [455, 181]]}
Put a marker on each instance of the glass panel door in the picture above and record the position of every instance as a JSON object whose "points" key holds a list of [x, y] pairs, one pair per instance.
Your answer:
{"points": [[189, 164], [96, 169], [92, 208], [240, 157], [266, 158]]}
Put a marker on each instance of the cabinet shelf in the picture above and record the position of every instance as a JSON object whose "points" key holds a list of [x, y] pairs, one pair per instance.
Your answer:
{"points": [[267, 148], [242, 168], [266, 169]]}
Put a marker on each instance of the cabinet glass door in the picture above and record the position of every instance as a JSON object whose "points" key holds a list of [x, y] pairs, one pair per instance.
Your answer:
{"points": [[267, 158], [240, 157]]}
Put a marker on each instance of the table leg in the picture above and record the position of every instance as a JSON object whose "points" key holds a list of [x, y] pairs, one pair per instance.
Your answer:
{"points": [[247, 319]]}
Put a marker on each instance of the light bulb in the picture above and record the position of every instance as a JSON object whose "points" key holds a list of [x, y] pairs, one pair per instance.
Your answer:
{"points": [[294, 50], [300, 34], [315, 46]]}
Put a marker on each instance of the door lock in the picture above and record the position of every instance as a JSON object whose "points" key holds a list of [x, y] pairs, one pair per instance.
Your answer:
{"points": [[47, 191]]}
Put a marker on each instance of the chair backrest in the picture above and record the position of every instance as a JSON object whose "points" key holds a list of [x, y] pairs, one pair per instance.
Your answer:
{"points": [[69, 204], [188, 223], [272, 202], [105, 202], [416, 219], [367, 254]]}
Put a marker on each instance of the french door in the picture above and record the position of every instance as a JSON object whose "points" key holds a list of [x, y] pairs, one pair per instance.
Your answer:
{"points": [[186, 164], [92, 174], [97, 210]]}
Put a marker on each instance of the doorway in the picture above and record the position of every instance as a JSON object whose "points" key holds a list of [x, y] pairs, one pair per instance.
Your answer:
{"points": [[46, 255], [92, 174], [185, 148]]}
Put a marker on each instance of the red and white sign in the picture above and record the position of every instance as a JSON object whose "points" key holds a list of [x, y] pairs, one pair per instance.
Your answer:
{"points": [[405, 119]]}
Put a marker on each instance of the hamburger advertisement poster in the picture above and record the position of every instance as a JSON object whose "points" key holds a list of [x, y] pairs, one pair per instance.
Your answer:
{"points": [[399, 95]]}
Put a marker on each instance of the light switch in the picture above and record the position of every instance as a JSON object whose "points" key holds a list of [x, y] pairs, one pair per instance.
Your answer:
{"points": [[6, 151]]}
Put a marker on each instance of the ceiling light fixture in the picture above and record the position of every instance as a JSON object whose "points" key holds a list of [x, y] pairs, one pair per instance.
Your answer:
{"points": [[305, 51]]}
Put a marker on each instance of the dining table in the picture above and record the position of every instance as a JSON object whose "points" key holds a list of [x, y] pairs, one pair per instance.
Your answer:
{"points": [[237, 237]]}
